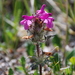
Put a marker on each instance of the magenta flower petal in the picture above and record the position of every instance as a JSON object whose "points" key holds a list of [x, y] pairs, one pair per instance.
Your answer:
{"points": [[27, 23], [27, 17], [45, 21], [49, 23], [26, 26], [41, 9], [52, 19], [22, 22], [45, 16]]}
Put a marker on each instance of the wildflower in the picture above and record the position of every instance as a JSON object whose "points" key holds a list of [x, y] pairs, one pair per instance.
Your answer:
{"points": [[27, 21], [37, 23]]}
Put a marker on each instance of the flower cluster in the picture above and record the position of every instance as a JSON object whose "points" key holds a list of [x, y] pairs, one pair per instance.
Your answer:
{"points": [[37, 23]]}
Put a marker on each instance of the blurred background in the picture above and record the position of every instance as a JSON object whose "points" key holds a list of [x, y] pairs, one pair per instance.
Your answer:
{"points": [[12, 46]]}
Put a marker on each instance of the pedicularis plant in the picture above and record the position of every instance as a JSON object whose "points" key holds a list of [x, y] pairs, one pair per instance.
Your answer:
{"points": [[37, 25]]}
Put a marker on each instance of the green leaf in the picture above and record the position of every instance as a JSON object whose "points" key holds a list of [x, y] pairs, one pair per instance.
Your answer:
{"points": [[71, 11], [20, 68], [11, 72], [27, 6], [71, 54], [56, 41], [23, 61], [42, 45], [36, 72], [68, 71], [1, 5], [55, 62], [9, 34], [74, 7], [72, 60], [17, 5], [30, 49], [37, 4], [17, 18]]}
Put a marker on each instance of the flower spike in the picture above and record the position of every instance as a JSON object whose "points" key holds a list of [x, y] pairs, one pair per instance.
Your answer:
{"points": [[37, 23]]}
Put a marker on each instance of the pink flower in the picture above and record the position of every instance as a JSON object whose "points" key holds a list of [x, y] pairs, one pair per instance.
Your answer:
{"points": [[26, 22], [41, 15], [49, 22]]}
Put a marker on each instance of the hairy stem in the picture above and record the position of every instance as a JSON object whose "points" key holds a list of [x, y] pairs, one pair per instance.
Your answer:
{"points": [[38, 53]]}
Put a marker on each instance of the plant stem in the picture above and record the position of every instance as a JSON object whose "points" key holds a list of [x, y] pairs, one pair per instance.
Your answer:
{"points": [[38, 50], [40, 69], [24, 70], [67, 22], [38, 54]]}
